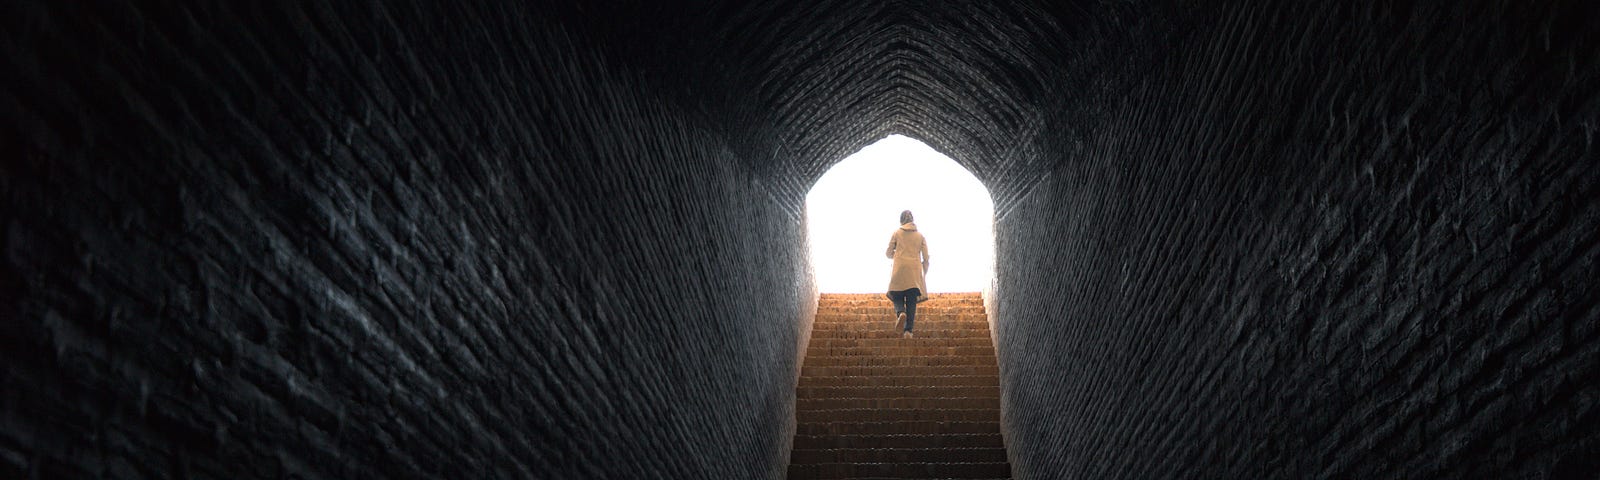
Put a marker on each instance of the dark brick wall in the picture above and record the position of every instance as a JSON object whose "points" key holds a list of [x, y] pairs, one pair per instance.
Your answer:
{"points": [[1237, 239], [1317, 241], [383, 241]]}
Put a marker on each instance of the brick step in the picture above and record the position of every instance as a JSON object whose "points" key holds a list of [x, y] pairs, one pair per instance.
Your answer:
{"points": [[872, 405], [851, 403], [899, 381], [890, 331], [880, 295], [888, 317], [921, 308], [898, 392], [991, 440], [885, 303], [854, 371], [864, 308], [916, 349], [889, 324], [888, 314], [898, 342], [924, 427], [901, 470], [881, 361], [876, 298], [990, 414], [898, 455], [894, 333]]}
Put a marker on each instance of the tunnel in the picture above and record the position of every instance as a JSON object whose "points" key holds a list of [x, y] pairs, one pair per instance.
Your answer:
{"points": [[409, 239]]}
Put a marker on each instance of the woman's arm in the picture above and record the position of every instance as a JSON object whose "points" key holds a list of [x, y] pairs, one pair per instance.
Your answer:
{"points": [[890, 252], [924, 255]]}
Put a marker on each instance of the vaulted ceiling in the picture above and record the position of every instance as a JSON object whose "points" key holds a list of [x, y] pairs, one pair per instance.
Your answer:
{"points": [[796, 89]]}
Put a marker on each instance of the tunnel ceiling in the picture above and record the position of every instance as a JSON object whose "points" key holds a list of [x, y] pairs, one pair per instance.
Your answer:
{"points": [[797, 89]]}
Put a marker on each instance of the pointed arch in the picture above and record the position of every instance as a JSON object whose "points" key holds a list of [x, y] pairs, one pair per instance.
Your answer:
{"points": [[854, 206]]}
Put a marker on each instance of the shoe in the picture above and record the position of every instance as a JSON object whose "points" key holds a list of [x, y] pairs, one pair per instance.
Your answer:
{"points": [[900, 321], [907, 334]]}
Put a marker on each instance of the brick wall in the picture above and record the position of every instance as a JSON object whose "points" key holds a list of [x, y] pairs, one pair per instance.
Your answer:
{"points": [[388, 242], [1236, 239], [1316, 242]]}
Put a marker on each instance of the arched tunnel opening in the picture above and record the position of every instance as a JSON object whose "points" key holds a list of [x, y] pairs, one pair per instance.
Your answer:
{"points": [[1233, 238], [853, 208]]}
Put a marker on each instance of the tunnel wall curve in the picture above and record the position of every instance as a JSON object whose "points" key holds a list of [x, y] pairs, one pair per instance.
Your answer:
{"points": [[384, 242], [1333, 241]]}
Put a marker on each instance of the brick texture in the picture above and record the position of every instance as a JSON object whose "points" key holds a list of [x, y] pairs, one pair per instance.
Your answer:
{"points": [[296, 242], [408, 239], [871, 404], [1333, 241]]}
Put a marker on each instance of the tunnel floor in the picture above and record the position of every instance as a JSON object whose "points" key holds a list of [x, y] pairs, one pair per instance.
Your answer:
{"points": [[873, 405]]}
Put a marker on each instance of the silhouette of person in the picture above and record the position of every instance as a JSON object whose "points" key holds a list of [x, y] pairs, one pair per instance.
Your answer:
{"points": [[906, 281]]}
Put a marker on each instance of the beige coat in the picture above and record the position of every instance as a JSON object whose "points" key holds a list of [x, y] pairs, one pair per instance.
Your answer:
{"points": [[910, 253]]}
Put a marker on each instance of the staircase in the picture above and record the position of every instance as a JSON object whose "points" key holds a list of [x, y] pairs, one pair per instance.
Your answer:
{"points": [[873, 405]]}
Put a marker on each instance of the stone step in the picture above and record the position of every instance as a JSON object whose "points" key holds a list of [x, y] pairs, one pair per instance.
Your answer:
{"points": [[952, 440], [891, 332], [948, 403], [899, 455], [899, 381], [882, 371], [898, 342], [909, 361], [915, 349], [899, 392], [924, 427], [899, 415]]}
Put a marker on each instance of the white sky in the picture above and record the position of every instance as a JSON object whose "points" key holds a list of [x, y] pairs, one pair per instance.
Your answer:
{"points": [[856, 205]]}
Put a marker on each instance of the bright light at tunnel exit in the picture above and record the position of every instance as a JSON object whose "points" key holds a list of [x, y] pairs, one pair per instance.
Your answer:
{"points": [[854, 208]]}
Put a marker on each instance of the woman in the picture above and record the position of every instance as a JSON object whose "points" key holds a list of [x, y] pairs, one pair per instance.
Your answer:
{"points": [[910, 253]]}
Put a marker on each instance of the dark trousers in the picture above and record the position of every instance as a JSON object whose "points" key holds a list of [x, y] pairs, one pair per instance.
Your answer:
{"points": [[906, 301]]}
